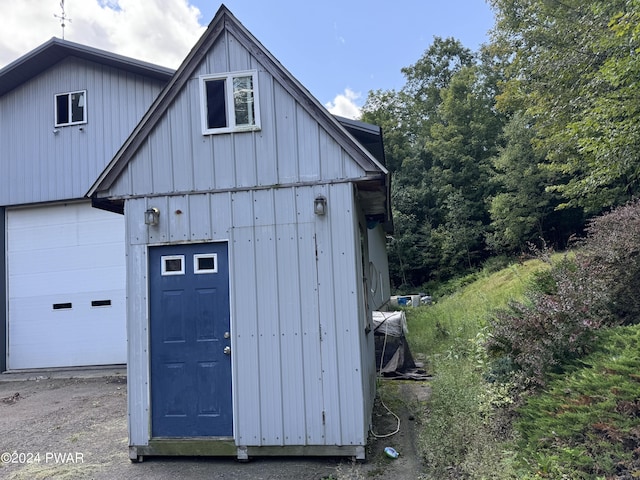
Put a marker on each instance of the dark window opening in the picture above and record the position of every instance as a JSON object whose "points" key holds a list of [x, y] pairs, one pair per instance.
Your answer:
{"points": [[173, 265], [206, 263], [62, 109], [216, 107]]}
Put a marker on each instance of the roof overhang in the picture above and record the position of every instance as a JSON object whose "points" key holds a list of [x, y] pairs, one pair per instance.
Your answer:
{"points": [[360, 140], [375, 196], [55, 50]]}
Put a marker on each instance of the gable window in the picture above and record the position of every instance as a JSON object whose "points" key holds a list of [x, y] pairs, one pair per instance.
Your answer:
{"points": [[230, 102], [71, 108]]}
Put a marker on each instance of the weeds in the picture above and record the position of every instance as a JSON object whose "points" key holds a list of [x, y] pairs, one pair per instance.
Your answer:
{"points": [[488, 418]]}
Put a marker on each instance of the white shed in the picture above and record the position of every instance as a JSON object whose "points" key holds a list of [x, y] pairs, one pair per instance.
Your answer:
{"points": [[249, 210]]}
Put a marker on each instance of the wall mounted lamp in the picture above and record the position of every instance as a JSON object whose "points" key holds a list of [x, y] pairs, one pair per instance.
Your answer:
{"points": [[151, 216], [320, 205]]}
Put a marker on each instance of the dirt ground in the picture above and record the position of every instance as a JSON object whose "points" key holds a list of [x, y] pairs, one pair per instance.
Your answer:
{"points": [[73, 426]]}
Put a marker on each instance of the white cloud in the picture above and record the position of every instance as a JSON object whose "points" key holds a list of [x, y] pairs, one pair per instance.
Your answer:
{"points": [[344, 104], [156, 31]]}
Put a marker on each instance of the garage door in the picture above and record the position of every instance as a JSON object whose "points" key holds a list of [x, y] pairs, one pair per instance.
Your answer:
{"points": [[66, 287]]}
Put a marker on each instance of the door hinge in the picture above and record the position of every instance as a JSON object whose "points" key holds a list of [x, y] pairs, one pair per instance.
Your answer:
{"points": [[323, 418]]}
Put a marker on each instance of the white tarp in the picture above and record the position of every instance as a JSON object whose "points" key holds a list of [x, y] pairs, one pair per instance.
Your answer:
{"points": [[390, 323]]}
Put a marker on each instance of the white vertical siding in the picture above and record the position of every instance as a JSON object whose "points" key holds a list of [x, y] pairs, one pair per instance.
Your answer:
{"points": [[296, 319], [297, 299], [378, 267], [63, 165], [290, 148], [137, 341]]}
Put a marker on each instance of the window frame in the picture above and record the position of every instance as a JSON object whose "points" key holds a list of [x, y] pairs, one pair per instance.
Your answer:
{"points": [[69, 96], [163, 265], [229, 106], [203, 271]]}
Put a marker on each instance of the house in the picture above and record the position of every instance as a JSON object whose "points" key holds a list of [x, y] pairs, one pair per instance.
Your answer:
{"points": [[254, 256], [65, 109]]}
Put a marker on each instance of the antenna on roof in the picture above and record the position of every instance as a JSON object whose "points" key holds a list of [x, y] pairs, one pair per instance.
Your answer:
{"points": [[63, 17]]}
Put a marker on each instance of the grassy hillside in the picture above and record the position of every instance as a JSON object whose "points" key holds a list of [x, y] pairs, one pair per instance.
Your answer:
{"points": [[583, 426], [435, 328]]}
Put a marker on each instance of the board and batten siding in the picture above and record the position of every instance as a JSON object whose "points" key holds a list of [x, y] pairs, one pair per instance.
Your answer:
{"points": [[65, 161], [296, 311], [291, 147]]}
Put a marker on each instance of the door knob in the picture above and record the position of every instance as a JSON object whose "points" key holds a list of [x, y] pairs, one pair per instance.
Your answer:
{"points": [[227, 350]]}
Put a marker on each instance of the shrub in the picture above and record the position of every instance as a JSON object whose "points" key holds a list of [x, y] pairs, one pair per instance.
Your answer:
{"points": [[612, 252], [596, 287], [553, 327]]}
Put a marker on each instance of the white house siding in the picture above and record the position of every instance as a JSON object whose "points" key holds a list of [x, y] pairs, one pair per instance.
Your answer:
{"points": [[39, 165], [3, 291], [302, 364], [65, 254], [296, 321], [380, 287], [290, 148]]}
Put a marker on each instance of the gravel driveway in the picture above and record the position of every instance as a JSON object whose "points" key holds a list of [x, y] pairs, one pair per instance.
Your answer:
{"points": [[72, 425]]}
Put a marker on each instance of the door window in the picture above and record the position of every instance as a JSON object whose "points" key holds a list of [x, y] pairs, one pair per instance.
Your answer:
{"points": [[205, 263], [172, 264]]}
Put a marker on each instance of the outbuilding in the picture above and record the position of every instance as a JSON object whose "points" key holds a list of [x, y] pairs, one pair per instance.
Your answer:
{"points": [[250, 214], [65, 110]]}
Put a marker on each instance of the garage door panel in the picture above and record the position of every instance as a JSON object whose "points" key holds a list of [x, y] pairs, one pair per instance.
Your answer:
{"points": [[53, 263], [35, 229], [67, 261], [98, 280]]}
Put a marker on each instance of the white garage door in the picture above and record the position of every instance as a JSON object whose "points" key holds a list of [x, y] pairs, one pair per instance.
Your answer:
{"points": [[66, 285]]}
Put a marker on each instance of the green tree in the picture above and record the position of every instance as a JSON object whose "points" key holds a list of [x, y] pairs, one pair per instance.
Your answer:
{"points": [[573, 69], [406, 118], [462, 144]]}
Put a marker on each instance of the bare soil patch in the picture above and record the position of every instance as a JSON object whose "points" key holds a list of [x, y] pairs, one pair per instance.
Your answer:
{"points": [[76, 428]]}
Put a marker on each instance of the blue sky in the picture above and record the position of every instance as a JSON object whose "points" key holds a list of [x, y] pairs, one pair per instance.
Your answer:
{"points": [[339, 50], [361, 45]]}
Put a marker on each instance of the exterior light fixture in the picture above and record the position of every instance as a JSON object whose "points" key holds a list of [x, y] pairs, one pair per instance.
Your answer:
{"points": [[320, 205], [151, 216]]}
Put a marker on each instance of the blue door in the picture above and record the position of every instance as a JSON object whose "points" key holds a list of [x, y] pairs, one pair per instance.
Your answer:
{"points": [[190, 341]]}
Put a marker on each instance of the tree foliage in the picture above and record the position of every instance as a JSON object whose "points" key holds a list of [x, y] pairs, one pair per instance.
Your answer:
{"points": [[574, 72], [519, 142], [443, 125]]}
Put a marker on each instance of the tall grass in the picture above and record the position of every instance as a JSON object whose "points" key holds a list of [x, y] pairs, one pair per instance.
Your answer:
{"points": [[434, 329], [459, 440]]}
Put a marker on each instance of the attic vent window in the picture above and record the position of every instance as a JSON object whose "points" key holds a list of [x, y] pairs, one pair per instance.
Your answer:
{"points": [[230, 102], [71, 108]]}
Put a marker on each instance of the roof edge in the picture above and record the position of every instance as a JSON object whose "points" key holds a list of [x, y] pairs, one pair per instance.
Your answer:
{"points": [[55, 50], [225, 20]]}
